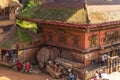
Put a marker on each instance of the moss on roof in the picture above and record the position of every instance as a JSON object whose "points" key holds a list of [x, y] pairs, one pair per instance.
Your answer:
{"points": [[18, 36], [23, 36], [74, 15], [9, 40]]}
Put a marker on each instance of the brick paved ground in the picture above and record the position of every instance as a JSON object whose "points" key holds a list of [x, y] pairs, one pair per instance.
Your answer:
{"points": [[8, 74]]}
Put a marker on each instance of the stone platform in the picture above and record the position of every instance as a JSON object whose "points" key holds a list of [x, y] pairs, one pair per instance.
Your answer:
{"points": [[114, 76]]}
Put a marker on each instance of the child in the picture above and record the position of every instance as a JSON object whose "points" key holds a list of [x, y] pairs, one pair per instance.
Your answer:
{"points": [[27, 66]]}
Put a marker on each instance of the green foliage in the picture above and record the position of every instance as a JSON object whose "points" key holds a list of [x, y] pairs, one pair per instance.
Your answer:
{"points": [[25, 3], [24, 24], [31, 4], [23, 36], [28, 25]]}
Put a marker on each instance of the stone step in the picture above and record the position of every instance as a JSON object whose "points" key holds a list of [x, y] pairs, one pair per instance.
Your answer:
{"points": [[5, 64]]}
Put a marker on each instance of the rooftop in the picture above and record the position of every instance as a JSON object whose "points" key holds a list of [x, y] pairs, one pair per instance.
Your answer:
{"points": [[62, 4], [74, 25], [9, 3], [103, 2], [76, 12], [71, 15]]}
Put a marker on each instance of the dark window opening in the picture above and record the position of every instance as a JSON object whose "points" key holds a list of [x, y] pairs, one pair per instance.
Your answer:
{"points": [[39, 30], [76, 41], [4, 14], [93, 61], [5, 29]]}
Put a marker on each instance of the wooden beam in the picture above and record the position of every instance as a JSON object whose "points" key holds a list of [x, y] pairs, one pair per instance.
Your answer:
{"points": [[7, 23]]}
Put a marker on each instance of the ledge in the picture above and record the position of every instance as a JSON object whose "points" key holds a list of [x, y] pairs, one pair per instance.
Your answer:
{"points": [[7, 23]]}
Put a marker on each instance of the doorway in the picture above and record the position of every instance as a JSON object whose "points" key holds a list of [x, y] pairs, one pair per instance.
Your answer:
{"points": [[113, 64]]}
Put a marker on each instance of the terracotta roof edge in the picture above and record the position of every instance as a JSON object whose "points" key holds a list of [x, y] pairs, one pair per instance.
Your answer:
{"points": [[83, 26]]}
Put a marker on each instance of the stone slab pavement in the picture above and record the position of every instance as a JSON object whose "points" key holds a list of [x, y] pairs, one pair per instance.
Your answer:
{"points": [[114, 76]]}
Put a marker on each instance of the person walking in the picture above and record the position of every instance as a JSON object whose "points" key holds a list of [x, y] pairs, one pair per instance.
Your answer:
{"points": [[102, 60]]}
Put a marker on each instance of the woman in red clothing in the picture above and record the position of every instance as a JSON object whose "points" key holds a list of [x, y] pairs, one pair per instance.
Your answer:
{"points": [[18, 65], [27, 66]]}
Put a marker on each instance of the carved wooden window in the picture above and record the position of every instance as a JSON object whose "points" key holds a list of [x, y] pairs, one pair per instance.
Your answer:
{"points": [[12, 10], [75, 40], [93, 40], [50, 37], [62, 38], [112, 36], [117, 35]]}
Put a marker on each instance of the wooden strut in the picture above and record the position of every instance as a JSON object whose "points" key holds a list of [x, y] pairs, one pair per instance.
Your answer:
{"points": [[113, 64]]}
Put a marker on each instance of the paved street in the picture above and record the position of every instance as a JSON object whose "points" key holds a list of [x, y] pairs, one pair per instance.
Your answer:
{"points": [[114, 76], [8, 74]]}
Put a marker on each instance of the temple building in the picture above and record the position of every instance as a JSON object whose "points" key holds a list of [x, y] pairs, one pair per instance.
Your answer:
{"points": [[82, 30], [7, 21]]}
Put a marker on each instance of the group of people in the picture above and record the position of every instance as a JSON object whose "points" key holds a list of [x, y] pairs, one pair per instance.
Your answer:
{"points": [[69, 74], [55, 66], [8, 55], [25, 66], [101, 75], [65, 73], [103, 59]]}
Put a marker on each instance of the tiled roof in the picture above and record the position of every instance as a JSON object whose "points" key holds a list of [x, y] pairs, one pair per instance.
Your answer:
{"points": [[71, 15], [76, 11], [64, 24], [103, 2], [100, 11], [63, 5]]}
